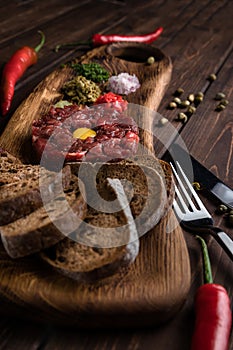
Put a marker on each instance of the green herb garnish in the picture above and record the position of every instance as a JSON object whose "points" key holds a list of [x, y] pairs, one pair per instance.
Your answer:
{"points": [[91, 71]]}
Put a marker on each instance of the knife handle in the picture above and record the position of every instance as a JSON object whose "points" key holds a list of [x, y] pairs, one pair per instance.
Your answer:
{"points": [[224, 240]]}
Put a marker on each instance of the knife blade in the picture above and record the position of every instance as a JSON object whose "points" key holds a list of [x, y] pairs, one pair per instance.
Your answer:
{"points": [[200, 174]]}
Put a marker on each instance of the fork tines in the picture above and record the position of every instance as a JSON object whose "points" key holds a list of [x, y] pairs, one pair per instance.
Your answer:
{"points": [[185, 191]]}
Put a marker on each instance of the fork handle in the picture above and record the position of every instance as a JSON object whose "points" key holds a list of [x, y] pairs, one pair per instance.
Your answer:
{"points": [[224, 240]]}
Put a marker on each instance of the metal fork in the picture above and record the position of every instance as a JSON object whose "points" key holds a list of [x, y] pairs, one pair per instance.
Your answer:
{"points": [[192, 213]]}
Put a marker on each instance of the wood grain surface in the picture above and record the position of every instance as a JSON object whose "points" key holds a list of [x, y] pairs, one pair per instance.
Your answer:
{"points": [[198, 37], [154, 288], [149, 292]]}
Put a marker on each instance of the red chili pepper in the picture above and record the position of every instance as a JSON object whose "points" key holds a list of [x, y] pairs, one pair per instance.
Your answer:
{"points": [[101, 39], [13, 71], [213, 312]]}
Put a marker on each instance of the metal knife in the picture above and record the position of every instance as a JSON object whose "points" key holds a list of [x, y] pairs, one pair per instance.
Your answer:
{"points": [[200, 174]]}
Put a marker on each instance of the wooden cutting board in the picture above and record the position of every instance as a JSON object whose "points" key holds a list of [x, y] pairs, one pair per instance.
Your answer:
{"points": [[152, 289]]}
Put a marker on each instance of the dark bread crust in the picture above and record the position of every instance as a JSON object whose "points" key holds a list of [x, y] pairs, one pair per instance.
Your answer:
{"points": [[107, 269], [165, 170], [170, 185], [19, 206], [38, 230], [22, 197], [87, 263]]}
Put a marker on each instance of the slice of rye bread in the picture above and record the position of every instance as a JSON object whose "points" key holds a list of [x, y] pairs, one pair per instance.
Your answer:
{"points": [[38, 186], [165, 170], [144, 186], [45, 226], [85, 257]]}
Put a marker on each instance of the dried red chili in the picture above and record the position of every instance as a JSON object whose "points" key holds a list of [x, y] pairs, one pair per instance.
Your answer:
{"points": [[13, 71], [213, 312], [101, 39]]}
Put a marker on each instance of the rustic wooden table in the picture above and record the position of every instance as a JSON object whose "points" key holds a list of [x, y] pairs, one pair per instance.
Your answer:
{"points": [[198, 38]]}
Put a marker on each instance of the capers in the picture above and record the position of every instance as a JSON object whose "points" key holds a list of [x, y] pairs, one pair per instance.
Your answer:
{"points": [[81, 90], [177, 100], [172, 105], [200, 94], [163, 121], [220, 107], [182, 117], [224, 102], [195, 99], [196, 186], [178, 92], [191, 97], [198, 99], [150, 60], [191, 110], [228, 213], [222, 208], [219, 96], [212, 77], [184, 104], [230, 219]]}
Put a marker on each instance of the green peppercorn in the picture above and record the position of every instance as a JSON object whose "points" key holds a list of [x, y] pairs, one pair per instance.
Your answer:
{"points": [[196, 186], [184, 104], [182, 117], [178, 92], [191, 97], [220, 107], [163, 121], [199, 94], [191, 110], [172, 105], [230, 219], [198, 99], [150, 60], [219, 96], [222, 209], [224, 102], [212, 77], [177, 100]]}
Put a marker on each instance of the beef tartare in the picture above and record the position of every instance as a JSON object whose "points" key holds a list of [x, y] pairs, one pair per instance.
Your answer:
{"points": [[102, 132]]}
